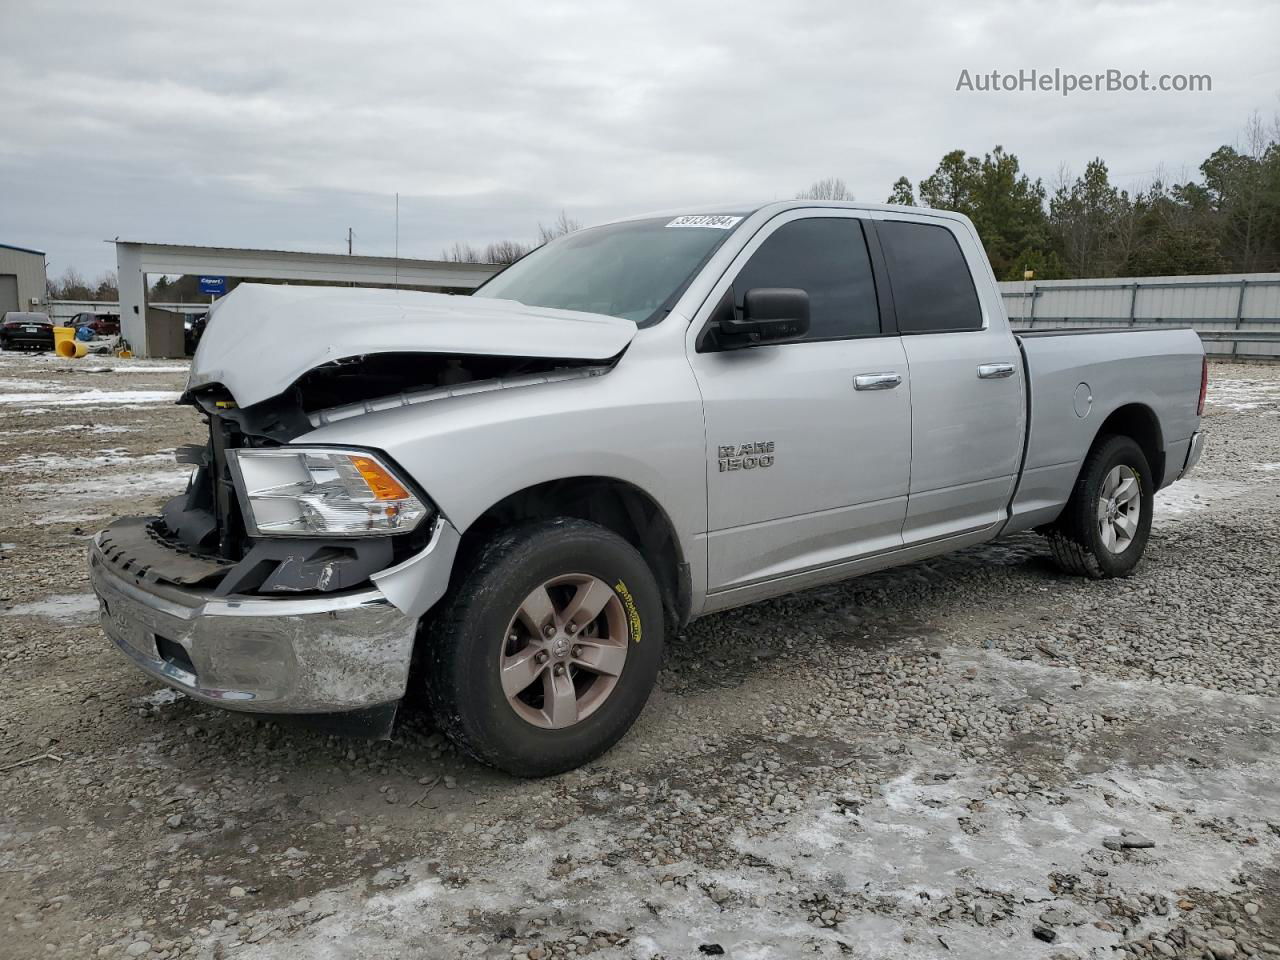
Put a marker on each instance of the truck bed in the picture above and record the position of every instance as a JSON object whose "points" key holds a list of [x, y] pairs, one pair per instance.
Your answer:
{"points": [[1076, 379]]}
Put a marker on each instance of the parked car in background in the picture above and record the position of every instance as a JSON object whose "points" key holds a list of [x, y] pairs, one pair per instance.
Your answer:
{"points": [[524, 492], [193, 330], [26, 331], [102, 324]]}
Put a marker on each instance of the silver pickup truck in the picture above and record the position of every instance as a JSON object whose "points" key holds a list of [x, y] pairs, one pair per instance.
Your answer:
{"points": [[508, 500]]}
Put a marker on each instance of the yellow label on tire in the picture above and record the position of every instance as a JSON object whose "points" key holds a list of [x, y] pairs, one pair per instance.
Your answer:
{"points": [[633, 615]]}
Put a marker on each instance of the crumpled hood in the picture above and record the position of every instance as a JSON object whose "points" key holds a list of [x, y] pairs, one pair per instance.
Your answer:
{"points": [[261, 337]]}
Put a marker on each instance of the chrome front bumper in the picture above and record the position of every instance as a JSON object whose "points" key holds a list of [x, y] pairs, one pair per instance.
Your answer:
{"points": [[326, 654]]}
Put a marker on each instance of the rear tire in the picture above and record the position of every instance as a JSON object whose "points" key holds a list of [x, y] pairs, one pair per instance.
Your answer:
{"points": [[509, 671], [1104, 527]]}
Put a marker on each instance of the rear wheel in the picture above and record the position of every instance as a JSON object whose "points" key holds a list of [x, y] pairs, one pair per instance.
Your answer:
{"points": [[545, 652], [1104, 527]]}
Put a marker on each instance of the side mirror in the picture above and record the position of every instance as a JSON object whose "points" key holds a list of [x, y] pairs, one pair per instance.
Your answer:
{"points": [[769, 315]]}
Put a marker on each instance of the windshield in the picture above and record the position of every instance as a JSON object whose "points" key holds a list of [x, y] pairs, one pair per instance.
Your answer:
{"points": [[634, 269]]}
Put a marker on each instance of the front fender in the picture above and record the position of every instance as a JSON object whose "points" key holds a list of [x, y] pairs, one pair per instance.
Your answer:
{"points": [[641, 423]]}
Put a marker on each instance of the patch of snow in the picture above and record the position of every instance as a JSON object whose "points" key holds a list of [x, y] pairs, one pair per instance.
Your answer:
{"points": [[898, 848], [69, 428], [161, 697], [112, 487], [138, 368], [1191, 495], [107, 458], [74, 608], [1242, 395], [48, 519], [27, 386], [93, 397]]}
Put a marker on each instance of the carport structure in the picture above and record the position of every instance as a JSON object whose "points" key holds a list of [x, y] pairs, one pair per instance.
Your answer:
{"points": [[134, 260]]}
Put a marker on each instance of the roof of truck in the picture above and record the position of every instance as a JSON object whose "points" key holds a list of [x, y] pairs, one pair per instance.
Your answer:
{"points": [[748, 208]]}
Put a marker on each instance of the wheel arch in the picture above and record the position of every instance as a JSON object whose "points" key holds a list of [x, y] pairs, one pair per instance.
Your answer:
{"points": [[1140, 423], [615, 504]]}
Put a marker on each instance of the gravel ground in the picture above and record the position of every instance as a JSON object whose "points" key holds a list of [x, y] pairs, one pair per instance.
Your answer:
{"points": [[970, 757]]}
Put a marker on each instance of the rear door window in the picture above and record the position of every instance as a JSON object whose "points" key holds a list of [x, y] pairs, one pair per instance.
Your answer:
{"points": [[933, 289], [827, 258]]}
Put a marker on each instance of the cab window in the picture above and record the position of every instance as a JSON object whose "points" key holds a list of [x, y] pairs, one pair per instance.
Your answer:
{"points": [[933, 289], [827, 258]]}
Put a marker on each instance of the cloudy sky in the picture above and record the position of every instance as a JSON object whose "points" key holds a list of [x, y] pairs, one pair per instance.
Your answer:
{"points": [[279, 123]]}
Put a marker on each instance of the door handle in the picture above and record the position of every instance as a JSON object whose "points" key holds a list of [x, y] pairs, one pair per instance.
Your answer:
{"points": [[995, 371], [876, 381]]}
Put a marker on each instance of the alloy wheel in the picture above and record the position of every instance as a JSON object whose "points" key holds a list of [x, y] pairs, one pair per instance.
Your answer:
{"points": [[564, 651], [1119, 508]]}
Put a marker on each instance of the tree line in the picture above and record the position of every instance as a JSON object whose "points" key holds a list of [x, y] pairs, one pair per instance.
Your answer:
{"points": [[509, 251], [72, 286], [1226, 220]]}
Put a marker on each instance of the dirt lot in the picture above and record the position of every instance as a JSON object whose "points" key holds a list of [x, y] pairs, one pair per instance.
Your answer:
{"points": [[934, 761]]}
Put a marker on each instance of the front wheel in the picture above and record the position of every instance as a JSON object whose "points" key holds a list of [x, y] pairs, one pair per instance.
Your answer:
{"points": [[544, 653], [1104, 527]]}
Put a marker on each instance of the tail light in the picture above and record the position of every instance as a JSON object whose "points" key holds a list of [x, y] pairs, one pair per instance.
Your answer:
{"points": [[1204, 385]]}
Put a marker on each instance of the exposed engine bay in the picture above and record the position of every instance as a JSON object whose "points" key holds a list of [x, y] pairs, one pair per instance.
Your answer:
{"points": [[200, 537]]}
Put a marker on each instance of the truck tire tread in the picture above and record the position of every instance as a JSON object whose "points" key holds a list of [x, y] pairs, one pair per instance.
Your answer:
{"points": [[445, 628], [1071, 557], [452, 647], [1073, 539]]}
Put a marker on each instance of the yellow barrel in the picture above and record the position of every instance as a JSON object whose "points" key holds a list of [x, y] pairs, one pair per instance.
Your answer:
{"points": [[63, 333], [71, 349]]}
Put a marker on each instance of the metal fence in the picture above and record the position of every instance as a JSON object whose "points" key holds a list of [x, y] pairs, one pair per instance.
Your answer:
{"points": [[1237, 315], [62, 310]]}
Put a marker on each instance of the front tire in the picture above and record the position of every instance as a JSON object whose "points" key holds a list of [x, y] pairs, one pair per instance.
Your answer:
{"points": [[543, 654], [1104, 527]]}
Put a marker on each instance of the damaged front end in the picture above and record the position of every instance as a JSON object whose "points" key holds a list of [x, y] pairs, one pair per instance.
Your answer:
{"points": [[212, 601], [207, 523], [288, 578], [223, 548]]}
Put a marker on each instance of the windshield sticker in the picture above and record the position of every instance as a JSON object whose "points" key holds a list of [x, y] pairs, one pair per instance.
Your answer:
{"points": [[717, 222]]}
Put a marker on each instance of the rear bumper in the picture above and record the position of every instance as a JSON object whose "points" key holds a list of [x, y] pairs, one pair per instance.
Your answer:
{"points": [[28, 341], [324, 654]]}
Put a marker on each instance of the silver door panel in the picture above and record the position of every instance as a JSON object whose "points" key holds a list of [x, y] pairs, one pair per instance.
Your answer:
{"points": [[833, 448], [967, 430], [957, 509], [775, 548], [833, 573], [840, 460]]}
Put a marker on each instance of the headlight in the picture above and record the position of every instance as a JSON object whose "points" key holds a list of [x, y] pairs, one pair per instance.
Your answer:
{"points": [[321, 492]]}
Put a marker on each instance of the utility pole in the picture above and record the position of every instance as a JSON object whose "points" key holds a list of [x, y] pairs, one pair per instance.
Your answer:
{"points": [[349, 236]]}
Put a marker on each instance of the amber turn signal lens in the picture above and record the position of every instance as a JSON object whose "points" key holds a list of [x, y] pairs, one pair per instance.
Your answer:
{"points": [[383, 484]]}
